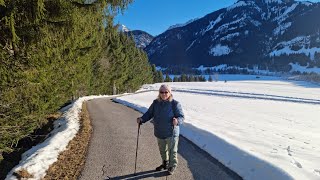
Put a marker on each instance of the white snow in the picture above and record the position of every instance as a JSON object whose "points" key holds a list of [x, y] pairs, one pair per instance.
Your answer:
{"points": [[255, 69], [123, 28], [142, 40], [304, 40], [273, 1], [265, 16], [238, 4], [290, 9], [255, 22], [306, 3], [221, 66], [281, 29], [298, 68], [224, 28], [244, 3], [287, 50], [219, 50], [190, 45], [212, 24], [300, 41], [230, 36], [158, 68], [286, 13], [178, 36], [261, 129], [151, 51], [38, 159], [282, 25]]}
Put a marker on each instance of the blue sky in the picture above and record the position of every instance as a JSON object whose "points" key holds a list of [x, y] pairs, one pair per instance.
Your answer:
{"points": [[155, 16]]}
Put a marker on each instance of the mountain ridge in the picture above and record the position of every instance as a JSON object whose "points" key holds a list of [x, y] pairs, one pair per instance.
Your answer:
{"points": [[268, 33], [141, 38]]}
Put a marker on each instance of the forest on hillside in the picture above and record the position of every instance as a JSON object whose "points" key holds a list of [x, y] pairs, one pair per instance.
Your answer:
{"points": [[53, 52]]}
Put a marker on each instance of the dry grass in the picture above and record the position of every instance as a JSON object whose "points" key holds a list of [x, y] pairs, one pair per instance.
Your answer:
{"points": [[54, 116], [71, 161], [22, 174]]}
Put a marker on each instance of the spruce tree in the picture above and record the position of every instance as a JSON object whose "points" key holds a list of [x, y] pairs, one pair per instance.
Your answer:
{"points": [[167, 78], [53, 52], [183, 78], [160, 77], [192, 79], [155, 73]]}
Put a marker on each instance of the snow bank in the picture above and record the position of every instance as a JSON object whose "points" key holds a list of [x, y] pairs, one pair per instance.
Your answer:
{"points": [[38, 159]]}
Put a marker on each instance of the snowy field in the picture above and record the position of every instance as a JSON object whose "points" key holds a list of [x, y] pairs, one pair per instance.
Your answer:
{"points": [[264, 128]]}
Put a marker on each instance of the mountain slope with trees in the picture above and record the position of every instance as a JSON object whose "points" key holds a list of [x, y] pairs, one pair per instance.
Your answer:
{"points": [[141, 38], [270, 35]]}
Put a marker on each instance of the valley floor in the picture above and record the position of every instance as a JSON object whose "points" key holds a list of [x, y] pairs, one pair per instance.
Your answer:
{"points": [[260, 128]]}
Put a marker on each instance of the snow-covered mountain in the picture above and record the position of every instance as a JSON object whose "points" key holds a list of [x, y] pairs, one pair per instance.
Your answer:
{"points": [[123, 28], [181, 25], [141, 38], [270, 34]]}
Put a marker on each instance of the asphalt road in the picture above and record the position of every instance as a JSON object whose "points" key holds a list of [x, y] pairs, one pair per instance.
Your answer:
{"points": [[112, 149]]}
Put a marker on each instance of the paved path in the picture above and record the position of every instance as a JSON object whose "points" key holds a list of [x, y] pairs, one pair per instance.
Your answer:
{"points": [[112, 149]]}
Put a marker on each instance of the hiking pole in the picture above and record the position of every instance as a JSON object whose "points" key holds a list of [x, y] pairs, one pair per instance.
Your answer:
{"points": [[170, 145], [135, 164]]}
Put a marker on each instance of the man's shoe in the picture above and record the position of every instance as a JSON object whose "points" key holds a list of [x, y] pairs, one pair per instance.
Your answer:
{"points": [[163, 166], [171, 170]]}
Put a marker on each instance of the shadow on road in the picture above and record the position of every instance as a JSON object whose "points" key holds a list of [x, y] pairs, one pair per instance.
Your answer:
{"points": [[140, 175], [199, 171]]}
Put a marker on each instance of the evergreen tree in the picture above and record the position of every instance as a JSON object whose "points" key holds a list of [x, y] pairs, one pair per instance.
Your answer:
{"points": [[55, 51], [155, 73], [160, 77], [175, 79], [167, 78], [183, 78], [192, 79]]}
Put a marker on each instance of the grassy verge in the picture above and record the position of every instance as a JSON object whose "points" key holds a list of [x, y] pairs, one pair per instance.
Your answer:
{"points": [[71, 161]]}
